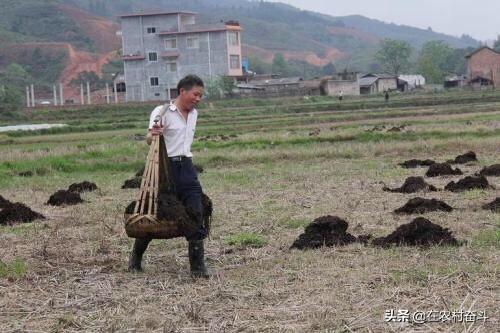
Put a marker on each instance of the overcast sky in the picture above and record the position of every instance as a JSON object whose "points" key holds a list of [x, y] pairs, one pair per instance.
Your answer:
{"points": [[478, 18]]}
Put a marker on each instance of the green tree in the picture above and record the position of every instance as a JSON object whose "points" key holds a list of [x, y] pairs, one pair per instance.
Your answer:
{"points": [[219, 87], [94, 80], [279, 65], [433, 61], [393, 55], [258, 66], [14, 75], [11, 100]]}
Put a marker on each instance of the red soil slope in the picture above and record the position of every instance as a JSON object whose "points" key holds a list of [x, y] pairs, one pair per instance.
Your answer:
{"points": [[101, 31], [330, 54]]}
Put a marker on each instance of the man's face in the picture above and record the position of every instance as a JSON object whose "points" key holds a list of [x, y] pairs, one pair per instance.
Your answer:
{"points": [[190, 98]]}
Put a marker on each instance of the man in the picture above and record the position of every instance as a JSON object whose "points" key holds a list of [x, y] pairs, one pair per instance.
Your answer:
{"points": [[341, 95], [177, 123]]}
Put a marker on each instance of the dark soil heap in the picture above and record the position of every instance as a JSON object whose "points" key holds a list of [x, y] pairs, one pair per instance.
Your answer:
{"points": [[208, 209], [25, 174], [421, 206], [171, 209], [3, 202], [412, 164], [419, 232], [468, 183], [324, 231], [198, 168], [493, 206], [132, 183], [442, 169], [412, 185], [63, 197], [140, 172], [11, 213], [82, 187], [465, 158], [492, 170]]}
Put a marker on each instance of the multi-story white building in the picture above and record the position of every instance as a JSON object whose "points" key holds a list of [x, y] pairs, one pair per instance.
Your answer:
{"points": [[161, 48]]}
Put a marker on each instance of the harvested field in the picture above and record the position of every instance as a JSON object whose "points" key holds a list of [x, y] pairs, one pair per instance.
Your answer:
{"points": [[69, 272]]}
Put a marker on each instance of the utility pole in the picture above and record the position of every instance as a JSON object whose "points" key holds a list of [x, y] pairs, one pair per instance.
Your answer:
{"points": [[82, 101], [32, 95], [28, 102], [88, 93], [54, 89], [116, 93], [61, 94], [107, 93]]}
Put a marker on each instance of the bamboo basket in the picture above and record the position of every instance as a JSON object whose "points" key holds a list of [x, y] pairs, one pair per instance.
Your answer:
{"points": [[143, 222]]}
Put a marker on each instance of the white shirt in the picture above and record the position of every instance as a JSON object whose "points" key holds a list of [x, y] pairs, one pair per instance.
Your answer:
{"points": [[178, 132]]}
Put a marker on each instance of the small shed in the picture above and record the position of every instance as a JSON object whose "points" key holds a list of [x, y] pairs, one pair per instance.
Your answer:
{"points": [[455, 81]]}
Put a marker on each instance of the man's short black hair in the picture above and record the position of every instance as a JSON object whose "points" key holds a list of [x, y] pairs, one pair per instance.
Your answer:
{"points": [[188, 82]]}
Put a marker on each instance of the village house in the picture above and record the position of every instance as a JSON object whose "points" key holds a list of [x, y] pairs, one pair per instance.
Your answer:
{"points": [[377, 83], [346, 82], [414, 80], [161, 48], [483, 67]]}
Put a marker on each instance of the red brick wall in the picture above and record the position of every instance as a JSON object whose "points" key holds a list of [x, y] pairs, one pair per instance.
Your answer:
{"points": [[485, 63]]}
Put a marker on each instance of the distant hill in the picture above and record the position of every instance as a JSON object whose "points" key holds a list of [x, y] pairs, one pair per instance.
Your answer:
{"points": [[276, 27], [82, 33]]}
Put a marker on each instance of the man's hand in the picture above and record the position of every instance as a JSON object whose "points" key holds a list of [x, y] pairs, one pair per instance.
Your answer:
{"points": [[154, 131]]}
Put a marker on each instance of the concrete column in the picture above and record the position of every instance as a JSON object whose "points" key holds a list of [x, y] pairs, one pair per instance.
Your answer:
{"points": [[88, 94], [107, 93], [28, 102], [116, 93], [32, 95], [168, 91], [82, 101], [61, 94], [54, 89], [142, 92]]}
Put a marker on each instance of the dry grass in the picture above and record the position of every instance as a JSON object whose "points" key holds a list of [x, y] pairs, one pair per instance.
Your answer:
{"points": [[76, 278]]}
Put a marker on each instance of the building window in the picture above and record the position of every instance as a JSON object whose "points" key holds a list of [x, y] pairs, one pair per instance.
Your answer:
{"points": [[193, 42], [172, 67], [174, 93], [153, 56], [234, 61], [234, 38], [154, 81], [171, 43], [151, 30]]}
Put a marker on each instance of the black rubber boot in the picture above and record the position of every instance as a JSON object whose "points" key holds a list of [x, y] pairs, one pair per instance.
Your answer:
{"points": [[134, 262], [197, 259]]}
